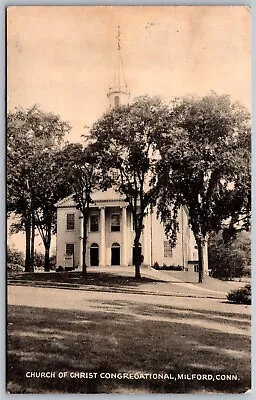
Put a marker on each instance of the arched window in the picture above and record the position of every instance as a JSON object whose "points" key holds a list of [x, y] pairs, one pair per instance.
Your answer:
{"points": [[117, 101], [115, 244], [94, 245]]}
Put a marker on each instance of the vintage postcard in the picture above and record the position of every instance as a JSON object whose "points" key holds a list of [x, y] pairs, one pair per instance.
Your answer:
{"points": [[128, 199]]}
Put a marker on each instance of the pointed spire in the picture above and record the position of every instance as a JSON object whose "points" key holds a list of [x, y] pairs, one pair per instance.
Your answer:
{"points": [[118, 92], [118, 38], [119, 83], [119, 60]]}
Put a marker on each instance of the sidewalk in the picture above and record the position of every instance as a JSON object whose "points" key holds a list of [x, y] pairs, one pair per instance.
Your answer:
{"points": [[209, 284]]}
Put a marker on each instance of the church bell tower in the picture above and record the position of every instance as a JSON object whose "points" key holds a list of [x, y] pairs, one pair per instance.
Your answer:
{"points": [[118, 94]]}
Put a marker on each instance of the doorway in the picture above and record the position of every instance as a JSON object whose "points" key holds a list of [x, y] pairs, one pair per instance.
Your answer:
{"points": [[115, 254], [94, 255]]}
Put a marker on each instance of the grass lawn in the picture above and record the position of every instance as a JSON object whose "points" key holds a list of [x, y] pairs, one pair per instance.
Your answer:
{"points": [[124, 336], [76, 278]]}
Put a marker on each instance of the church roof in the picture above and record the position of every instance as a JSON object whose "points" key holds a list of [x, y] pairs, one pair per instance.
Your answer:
{"points": [[98, 196]]}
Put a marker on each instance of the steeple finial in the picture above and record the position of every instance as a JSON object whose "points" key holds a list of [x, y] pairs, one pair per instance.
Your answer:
{"points": [[118, 38], [118, 92]]}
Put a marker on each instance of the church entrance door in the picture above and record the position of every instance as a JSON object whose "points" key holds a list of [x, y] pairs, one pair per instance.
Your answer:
{"points": [[94, 255], [115, 254]]}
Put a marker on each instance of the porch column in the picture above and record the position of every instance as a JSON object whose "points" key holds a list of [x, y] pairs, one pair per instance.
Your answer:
{"points": [[124, 237], [205, 257], [145, 246], [102, 237], [81, 241]]}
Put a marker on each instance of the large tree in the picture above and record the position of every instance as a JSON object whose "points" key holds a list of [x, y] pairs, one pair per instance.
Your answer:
{"points": [[82, 172], [125, 138], [205, 166], [52, 186], [32, 136]]}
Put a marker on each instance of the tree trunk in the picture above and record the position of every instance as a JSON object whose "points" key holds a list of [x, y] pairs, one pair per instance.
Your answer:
{"points": [[47, 245], [200, 245], [32, 256], [84, 243], [28, 238], [137, 256], [47, 259]]}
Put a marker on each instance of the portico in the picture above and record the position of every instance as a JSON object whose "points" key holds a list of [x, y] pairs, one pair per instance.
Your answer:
{"points": [[114, 235]]}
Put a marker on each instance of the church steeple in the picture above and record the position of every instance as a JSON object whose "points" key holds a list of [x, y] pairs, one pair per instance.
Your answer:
{"points": [[118, 93]]}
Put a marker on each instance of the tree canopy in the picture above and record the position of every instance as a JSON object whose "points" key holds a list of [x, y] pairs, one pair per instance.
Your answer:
{"points": [[205, 166], [194, 153], [125, 137], [34, 180], [230, 259], [81, 169]]}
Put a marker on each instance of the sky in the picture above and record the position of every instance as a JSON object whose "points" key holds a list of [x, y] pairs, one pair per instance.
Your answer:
{"points": [[63, 58]]}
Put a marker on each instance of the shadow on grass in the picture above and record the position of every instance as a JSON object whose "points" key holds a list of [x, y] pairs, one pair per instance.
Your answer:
{"points": [[242, 321], [119, 339], [92, 278]]}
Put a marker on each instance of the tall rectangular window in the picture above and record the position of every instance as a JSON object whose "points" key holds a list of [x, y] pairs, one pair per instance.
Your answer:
{"points": [[70, 222], [94, 223], [117, 101], [70, 249], [167, 249], [115, 222], [196, 268]]}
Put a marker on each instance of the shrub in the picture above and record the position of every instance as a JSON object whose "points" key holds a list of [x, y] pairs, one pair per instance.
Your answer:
{"points": [[14, 260], [15, 257], [165, 267], [156, 265], [14, 268], [240, 296], [38, 260], [53, 261], [174, 268], [231, 259]]}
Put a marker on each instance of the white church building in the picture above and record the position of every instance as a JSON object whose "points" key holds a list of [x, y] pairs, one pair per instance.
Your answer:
{"points": [[110, 236], [110, 232]]}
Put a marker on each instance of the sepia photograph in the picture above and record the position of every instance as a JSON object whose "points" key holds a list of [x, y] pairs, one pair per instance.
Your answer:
{"points": [[128, 199]]}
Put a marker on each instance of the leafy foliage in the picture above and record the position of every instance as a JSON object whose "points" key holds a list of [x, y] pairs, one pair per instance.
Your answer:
{"points": [[125, 139], [229, 259], [15, 256], [81, 170], [39, 260], [34, 179], [205, 167], [15, 261], [241, 295]]}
